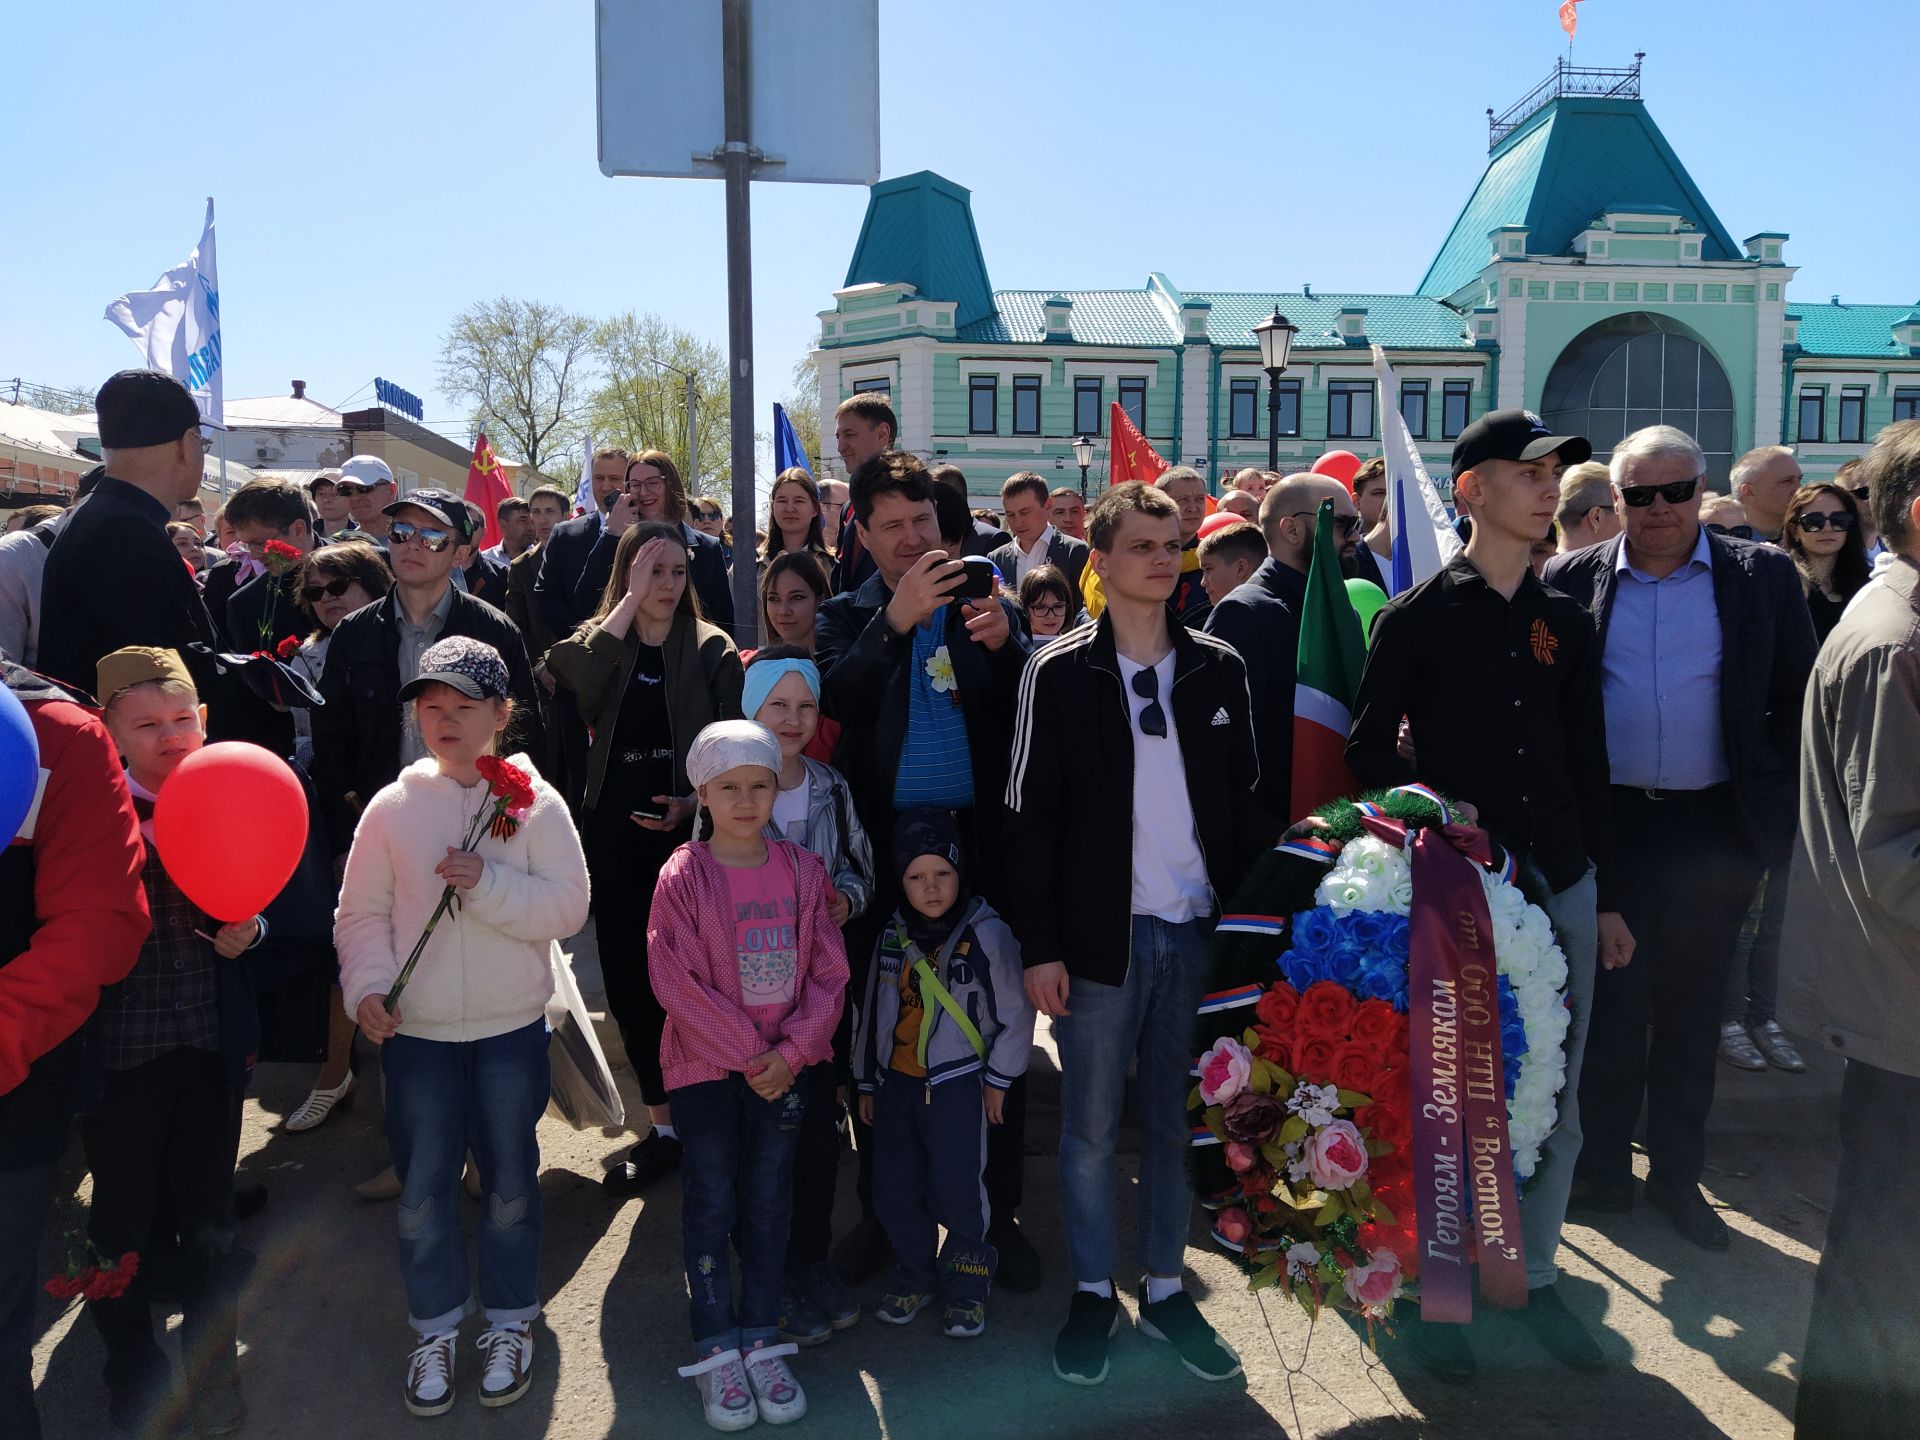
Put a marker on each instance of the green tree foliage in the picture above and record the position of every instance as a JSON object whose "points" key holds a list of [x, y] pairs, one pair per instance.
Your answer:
{"points": [[639, 399], [523, 368]]}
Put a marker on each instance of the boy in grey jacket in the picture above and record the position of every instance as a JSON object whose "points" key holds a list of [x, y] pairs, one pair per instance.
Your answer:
{"points": [[944, 1029]]}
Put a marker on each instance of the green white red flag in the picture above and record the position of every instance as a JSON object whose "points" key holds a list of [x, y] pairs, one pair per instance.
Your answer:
{"points": [[1327, 678]]}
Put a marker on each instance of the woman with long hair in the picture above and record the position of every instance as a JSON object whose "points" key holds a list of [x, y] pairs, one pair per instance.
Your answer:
{"points": [[649, 674], [654, 485], [793, 586], [793, 516], [1824, 536]]}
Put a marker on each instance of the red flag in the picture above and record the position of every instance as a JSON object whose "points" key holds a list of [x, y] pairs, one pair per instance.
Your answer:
{"points": [[1131, 457], [1569, 17], [487, 487]]}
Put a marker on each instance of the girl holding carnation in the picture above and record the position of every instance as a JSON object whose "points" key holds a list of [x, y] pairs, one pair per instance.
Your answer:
{"points": [[465, 1047], [752, 973]]}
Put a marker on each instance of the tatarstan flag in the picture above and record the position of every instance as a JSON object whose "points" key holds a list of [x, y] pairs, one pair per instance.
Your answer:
{"points": [[1130, 456], [1332, 652]]}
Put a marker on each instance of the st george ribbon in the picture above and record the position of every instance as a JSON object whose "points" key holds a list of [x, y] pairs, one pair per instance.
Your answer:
{"points": [[1467, 1203]]}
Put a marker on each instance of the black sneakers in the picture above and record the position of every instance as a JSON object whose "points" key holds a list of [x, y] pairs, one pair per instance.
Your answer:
{"points": [[1690, 1213], [1178, 1321], [653, 1157], [1080, 1352]]}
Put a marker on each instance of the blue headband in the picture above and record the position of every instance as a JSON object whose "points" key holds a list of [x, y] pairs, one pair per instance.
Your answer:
{"points": [[763, 675]]}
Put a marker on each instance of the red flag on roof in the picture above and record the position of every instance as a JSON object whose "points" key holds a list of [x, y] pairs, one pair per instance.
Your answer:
{"points": [[1131, 456], [1569, 17], [487, 487]]}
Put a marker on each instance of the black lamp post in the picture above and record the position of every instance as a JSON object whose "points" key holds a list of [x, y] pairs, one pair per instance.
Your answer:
{"points": [[1275, 334], [1083, 457]]}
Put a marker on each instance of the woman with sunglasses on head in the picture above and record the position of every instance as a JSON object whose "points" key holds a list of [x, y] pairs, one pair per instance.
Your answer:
{"points": [[1822, 533], [793, 585], [794, 517], [649, 674]]}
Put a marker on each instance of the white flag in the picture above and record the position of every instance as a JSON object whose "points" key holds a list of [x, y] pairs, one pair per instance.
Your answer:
{"points": [[583, 492], [1423, 537], [176, 325]]}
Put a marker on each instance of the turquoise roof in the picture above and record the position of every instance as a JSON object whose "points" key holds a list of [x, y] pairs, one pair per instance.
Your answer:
{"points": [[1850, 330], [919, 231], [1559, 171], [1098, 317], [1394, 322]]}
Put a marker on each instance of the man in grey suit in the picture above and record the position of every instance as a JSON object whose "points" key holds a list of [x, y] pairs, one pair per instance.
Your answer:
{"points": [[1023, 501]]}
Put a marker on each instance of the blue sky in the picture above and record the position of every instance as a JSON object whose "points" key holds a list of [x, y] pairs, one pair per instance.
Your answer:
{"points": [[378, 166]]}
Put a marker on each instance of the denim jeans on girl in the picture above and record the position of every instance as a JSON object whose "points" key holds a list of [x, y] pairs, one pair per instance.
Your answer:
{"points": [[1151, 1014], [443, 1099], [736, 1163]]}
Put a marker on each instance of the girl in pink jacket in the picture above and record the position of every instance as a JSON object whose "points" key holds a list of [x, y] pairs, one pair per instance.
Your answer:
{"points": [[750, 968]]}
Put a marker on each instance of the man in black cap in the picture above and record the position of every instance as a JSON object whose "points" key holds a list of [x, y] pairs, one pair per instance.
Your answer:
{"points": [[1498, 679], [361, 738], [112, 577]]}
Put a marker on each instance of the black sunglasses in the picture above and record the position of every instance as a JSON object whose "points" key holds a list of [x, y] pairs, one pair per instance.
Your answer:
{"points": [[1678, 493], [1737, 532], [1814, 521], [434, 539], [333, 589], [1153, 720], [1345, 524]]}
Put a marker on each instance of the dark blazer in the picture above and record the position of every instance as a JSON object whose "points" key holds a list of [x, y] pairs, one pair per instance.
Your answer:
{"points": [[248, 607], [356, 733], [1766, 655], [1260, 619], [985, 539], [487, 580], [863, 668], [523, 608], [579, 562], [113, 579], [1063, 552]]}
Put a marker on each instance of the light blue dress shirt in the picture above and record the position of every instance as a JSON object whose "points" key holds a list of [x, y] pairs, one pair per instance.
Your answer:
{"points": [[1661, 674]]}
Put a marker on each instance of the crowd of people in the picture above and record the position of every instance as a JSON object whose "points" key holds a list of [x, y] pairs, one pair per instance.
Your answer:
{"points": [[836, 879]]}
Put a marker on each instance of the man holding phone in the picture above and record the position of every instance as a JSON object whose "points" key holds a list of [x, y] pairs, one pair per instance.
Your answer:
{"points": [[922, 679]]}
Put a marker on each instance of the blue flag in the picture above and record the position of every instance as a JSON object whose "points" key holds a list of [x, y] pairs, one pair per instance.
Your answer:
{"points": [[787, 454]]}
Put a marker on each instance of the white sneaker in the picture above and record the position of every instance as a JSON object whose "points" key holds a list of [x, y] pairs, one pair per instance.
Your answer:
{"points": [[318, 1105], [724, 1391], [509, 1352], [779, 1395], [430, 1374]]}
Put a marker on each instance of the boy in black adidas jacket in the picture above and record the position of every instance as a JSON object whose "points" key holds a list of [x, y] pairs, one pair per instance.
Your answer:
{"points": [[1131, 814]]}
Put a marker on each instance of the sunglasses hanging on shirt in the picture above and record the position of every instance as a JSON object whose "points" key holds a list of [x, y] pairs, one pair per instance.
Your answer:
{"points": [[1153, 720]]}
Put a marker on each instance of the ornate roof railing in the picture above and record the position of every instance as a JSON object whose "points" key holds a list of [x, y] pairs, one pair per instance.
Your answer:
{"points": [[1621, 83]]}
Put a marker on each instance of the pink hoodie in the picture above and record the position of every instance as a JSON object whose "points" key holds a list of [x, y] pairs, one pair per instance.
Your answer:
{"points": [[696, 970]]}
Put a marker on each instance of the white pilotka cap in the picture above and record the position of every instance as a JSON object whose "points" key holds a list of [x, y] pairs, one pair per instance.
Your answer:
{"points": [[728, 744]]}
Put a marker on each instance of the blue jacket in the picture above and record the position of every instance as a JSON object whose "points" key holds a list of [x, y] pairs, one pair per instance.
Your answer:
{"points": [[980, 967]]}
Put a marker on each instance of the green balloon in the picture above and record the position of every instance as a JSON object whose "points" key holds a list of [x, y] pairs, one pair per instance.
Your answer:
{"points": [[1367, 598]]}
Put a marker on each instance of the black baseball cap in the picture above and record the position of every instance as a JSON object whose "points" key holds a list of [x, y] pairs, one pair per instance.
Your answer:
{"points": [[445, 506], [1514, 435]]}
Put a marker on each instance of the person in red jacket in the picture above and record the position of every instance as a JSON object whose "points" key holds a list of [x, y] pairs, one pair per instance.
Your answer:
{"points": [[73, 916]]}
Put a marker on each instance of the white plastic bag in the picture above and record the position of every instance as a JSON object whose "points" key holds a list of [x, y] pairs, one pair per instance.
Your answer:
{"points": [[582, 1091]]}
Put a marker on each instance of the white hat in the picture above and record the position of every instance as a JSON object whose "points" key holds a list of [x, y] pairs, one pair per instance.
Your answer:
{"points": [[725, 744], [368, 470]]}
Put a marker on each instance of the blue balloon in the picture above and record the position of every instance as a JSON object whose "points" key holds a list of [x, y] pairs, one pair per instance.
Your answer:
{"points": [[19, 764]]}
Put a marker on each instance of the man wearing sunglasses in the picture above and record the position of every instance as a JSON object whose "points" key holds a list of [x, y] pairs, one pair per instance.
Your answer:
{"points": [[1706, 645], [362, 737], [1498, 680], [366, 483], [1116, 892], [1260, 619]]}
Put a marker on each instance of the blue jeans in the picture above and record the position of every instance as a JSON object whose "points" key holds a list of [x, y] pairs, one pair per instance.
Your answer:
{"points": [[736, 1162], [1543, 1208], [1151, 1015], [443, 1099], [1753, 980], [929, 1151]]}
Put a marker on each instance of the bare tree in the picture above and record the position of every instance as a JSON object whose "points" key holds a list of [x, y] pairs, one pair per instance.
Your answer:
{"points": [[641, 400], [522, 367]]}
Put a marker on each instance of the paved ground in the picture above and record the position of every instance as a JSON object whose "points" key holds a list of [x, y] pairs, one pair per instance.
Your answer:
{"points": [[1703, 1345]]}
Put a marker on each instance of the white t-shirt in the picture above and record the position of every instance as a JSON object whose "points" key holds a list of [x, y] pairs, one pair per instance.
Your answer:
{"points": [[1169, 875], [790, 811]]}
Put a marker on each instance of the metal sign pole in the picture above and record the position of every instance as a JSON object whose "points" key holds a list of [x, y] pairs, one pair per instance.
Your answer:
{"points": [[739, 168]]}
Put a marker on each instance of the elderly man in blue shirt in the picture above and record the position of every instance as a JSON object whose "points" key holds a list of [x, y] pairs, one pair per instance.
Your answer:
{"points": [[1706, 647]]}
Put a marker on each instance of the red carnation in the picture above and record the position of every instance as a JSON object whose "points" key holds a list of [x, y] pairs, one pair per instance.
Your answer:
{"points": [[1326, 1009], [287, 648], [507, 782], [1277, 1006]]}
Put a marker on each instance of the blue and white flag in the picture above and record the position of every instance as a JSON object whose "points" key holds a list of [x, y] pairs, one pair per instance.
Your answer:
{"points": [[583, 493], [787, 452], [176, 325], [1423, 538]]}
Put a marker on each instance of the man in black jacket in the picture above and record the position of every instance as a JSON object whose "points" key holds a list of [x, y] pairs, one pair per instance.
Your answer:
{"points": [[362, 737], [112, 577], [1116, 893], [1706, 645], [923, 690], [1023, 500]]}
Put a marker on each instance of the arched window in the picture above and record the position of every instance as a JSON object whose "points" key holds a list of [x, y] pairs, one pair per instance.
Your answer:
{"points": [[1631, 371]]}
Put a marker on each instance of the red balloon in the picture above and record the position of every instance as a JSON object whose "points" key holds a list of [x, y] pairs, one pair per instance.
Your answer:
{"points": [[1338, 465], [1219, 520], [230, 825]]}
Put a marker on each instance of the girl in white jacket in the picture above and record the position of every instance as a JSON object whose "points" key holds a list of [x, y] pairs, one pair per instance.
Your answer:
{"points": [[465, 1049]]}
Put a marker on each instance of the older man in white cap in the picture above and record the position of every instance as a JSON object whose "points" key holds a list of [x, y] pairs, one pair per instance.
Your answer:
{"points": [[367, 483]]}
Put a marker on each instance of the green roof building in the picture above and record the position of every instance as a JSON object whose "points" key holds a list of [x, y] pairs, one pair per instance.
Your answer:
{"points": [[1586, 278]]}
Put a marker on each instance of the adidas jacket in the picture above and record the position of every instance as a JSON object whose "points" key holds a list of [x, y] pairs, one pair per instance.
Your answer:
{"points": [[1070, 796]]}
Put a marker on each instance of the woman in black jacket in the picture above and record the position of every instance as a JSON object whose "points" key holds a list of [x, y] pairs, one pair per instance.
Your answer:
{"points": [[649, 673]]}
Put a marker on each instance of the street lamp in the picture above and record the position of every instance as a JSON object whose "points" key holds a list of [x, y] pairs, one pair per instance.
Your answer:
{"points": [[1275, 334], [1083, 457]]}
